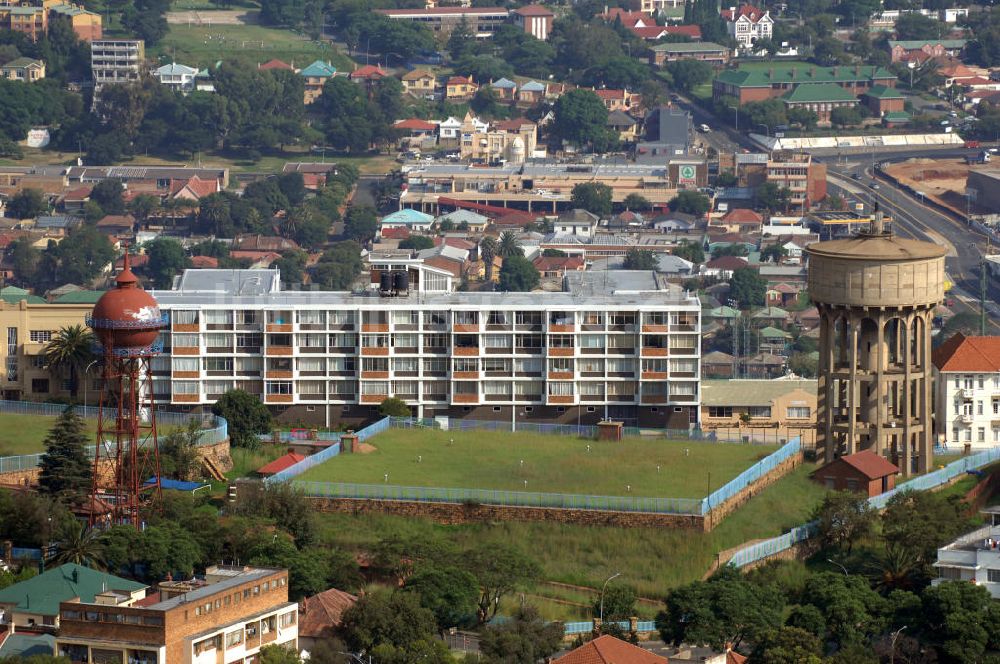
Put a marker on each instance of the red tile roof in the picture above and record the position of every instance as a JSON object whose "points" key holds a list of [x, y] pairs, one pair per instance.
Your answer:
{"points": [[733, 657], [556, 263], [742, 216], [78, 194], [692, 31], [969, 354], [275, 64], [727, 263], [368, 71], [533, 10], [513, 125], [460, 80], [255, 256], [395, 233], [116, 220], [610, 94], [651, 32], [415, 124], [869, 464], [204, 262], [280, 464], [749, 11], [135, 260], [199, 188], [627, 18], [456, 242], [320, 614], [606, 649]]}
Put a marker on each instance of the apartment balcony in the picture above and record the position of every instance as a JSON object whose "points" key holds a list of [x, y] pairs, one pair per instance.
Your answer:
{"points": [[676, 350], [312, 397], [219, 326], [560, 375], [465, 398], [652, 351], [655, 329], [186, 350], [185, 327], [654, 375], [312, 349], [498, 397], [683, 398], [466, 351], [627, 327], [278, 373], [684, 374], [374, 327], [591, 398], [278, 398], [435, 350], [221, 350], [185, 398], [621, 374], [318, 327], [683, 327], [405, 350], [279, 327], [528, 327], [592, 327], [465, 375], [382, 375], [528, 350], [497, 327], [341, 327], [255, 326], [248, 350], [436, 397], [561, 327], [373, 398], [279, 351], [618, 350], [375, 351], [342, 350], [560, 399], [251, 373], [305, 374], [186, 374], [468, 329], [561, 352], [654, 398]]}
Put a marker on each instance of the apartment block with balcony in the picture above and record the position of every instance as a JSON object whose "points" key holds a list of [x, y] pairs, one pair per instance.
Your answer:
{"points": [[623, 345], [116, 61], [227, 617], [973, 557], [967, 391]]}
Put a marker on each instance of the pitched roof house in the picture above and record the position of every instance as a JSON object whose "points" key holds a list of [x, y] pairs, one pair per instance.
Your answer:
{"points": [[607, 649], [320, 615]]}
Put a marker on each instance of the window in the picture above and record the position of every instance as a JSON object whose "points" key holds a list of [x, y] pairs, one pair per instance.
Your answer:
{"points": [[560, 389], [798, 412], [684, 366], [403, 317], [560, 341], [981, 435], [40, 336], [182, 387], [234, 639], [498, 318], [759, 411], [996, 406], [245, 341], [497, 341], [218, 317], [993, 575], [954, 435], [278, 387], [312, 340], [591, 341], [217, 340], [591, 389], [720, 411], [312, 364], [465, 364], [979, 408], [405, 364], [435, 366], [307, 317], [312, 387], [181, 317], [40, 385], [404, 341], [186, 363], [287, 619], [185, 341], [852, 484]]}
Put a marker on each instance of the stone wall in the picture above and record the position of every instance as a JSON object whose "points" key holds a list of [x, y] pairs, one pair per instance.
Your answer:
{"points": [[720, 512]]}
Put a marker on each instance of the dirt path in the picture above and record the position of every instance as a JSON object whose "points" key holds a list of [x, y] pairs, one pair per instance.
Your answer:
{"points": [[215, 17]]}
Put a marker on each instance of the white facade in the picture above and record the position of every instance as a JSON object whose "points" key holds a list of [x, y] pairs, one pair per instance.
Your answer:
{"points": [[178, 77], [973, 557], [747, 24], [968, 408], [635, 343], [116, 61]]}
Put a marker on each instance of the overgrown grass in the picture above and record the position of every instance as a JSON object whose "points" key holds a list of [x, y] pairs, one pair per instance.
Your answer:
{"points": [[545, 463], [247, 461], [650, 559], [24, 434]]}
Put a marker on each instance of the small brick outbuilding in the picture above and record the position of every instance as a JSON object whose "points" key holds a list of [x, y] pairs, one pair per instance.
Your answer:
{"points": [[863, 471]]}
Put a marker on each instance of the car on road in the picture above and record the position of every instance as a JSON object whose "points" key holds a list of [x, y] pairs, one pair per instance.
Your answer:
{"points": [[704, 128], [674, 96], [876, 185], [855, 176]]}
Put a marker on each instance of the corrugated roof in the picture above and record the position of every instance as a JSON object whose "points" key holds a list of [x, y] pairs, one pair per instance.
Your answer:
{"points": [[914, 44], [79, 297], [750, 392], [319, 69], [813, 92], [764, 78], [884, 92], [41, 594], [280, 464], [867, 463], [320, 614]]}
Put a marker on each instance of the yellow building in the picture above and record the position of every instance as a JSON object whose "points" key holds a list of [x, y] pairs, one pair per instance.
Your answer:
{"points": [[765, 410], [419, 82], [28, 323], [26, 70], [509, 140], [459, 87]]}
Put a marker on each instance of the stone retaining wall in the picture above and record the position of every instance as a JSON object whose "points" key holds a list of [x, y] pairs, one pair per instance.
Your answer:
{"points": [[717, 514]]}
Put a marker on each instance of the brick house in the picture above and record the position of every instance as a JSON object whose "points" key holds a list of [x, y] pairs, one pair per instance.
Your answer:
{"points": [[760, 84], [863, 471], [881, 100], [820, 98], [607, 649]]}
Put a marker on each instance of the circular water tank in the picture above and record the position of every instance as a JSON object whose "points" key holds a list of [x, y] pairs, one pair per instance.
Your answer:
{"points": [[385, 281], [126, 318], [401, 281]]}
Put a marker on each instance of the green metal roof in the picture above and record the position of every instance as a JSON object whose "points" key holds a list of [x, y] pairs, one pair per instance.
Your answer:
{"points": [[723, 312], [22, 62], [818, 92], [13, 295], [319, 69], [689, 47], [79, 297], [913, 44], [750, 392], [764, 78], [771, 312], [884, 92], [41, 594], [774, 333], [896, 116]]}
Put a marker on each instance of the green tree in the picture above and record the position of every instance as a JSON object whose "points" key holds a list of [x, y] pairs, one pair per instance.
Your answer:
{"points": [[500, 569], [23, 257], [275, 654], [65, 472], [845, 116], [81, 546], [803, 365], [78, 259], [640, 259], [772, 197], [461, 41], [108, 194], [382, 618], [417, 243], [143, 206], [804, 117], [509, 245], [361, 223], [393, 407], [70, 351], [843, 519], [27, 204], [685, 75], [166, 260], [773, 253], [789, 645], [747, 287], [690, 202], [488, 251], [449, 592], [524, 639], [338, 267], [915, 26], [291, 266], [246, 416], [921, 522], [518, 275], [179, 458], [959, 619], [690, 251], [637, 201], [582, 119], [594, 197], [618, 602]]}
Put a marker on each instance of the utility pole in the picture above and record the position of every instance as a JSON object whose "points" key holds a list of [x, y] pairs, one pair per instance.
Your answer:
{"points": [[983, 287]]}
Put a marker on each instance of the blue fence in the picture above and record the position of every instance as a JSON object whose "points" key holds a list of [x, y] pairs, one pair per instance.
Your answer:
{"points": [[761, 550], [328, 453], [751, 475], [19, 553], [423, 494], [302, 435], [586, 626], [215, 429]]}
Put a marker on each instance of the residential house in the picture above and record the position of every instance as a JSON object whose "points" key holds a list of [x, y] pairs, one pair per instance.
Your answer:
{"points": [[774, 341], [967, 391], [576, 222], [724, 266], [420, 83], [35, 602], [32, 22], [607, 649], [740, 220], [59, 224], [314, 174], [320, 616], [716, 54], [531, 93], [929, 48], [624, 125], [460, 88], [717, 365], [276, 65], [114, 61], [774, 316], [74, 199], [746, 24], [616, 100], [117, 225], [505, 89], [263, 243], [316, 75], [781, 295], [865, 472], [193, 189], [86, 24], [511, 141], [786, 407], [450, 129], [535, 20], [27, 70], [465, 219], [414, 220], [179, 78], [766, 365], [415, 132], [558, 266]]}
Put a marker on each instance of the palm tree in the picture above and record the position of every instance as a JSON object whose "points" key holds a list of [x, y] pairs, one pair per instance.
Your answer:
{"points": [[509, 245], [81, 546], [294, 220], [488, 249], [896, 568], [71, 349]]}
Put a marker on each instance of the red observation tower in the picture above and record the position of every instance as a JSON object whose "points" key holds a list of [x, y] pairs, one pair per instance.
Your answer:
{"points": [[126, 321]]}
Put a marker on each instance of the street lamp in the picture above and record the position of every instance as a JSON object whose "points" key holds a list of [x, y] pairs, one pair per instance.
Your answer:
{"points": [[831, 560], [605, 587], [767, 128], [85, 372], [895, 635]]}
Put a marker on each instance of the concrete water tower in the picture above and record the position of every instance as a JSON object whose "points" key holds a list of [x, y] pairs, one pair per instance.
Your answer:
{"points": [[876, 295]]}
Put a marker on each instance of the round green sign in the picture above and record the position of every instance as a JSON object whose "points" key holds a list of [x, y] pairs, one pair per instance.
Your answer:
{"points": [[687, 172]]}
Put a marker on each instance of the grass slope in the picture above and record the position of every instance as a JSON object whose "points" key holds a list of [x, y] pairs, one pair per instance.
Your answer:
{"points": [[551, 464], [23, 434]]}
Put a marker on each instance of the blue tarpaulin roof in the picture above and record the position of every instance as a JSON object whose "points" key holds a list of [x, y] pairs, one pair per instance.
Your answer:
{"points": [[177, 485]]}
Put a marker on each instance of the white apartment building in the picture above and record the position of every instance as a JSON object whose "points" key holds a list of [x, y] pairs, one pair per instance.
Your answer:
{"points": [[746, 24], [973, 557], [116, 61], [967, 391], [618, 344]]}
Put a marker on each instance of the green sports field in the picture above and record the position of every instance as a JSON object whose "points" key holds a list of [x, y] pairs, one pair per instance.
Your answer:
{"points": [[544, 463], [23, 434]]}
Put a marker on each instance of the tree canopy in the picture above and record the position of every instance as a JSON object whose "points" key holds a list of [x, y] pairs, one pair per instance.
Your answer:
{"points": [[246, 416]]}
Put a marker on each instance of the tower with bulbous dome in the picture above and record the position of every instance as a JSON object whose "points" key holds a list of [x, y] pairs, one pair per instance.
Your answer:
{"points": [[126, 321], [876, 294]]}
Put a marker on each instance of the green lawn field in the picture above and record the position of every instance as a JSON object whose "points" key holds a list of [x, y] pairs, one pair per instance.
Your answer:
{"points": [[548, 464], [23, 434], [204, 45]]}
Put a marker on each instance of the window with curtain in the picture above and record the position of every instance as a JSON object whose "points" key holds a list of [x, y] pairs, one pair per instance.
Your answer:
{"points": [[186, 363], [560, 389], [185, 340], [530, 387], [496, 387], [312, 364], [185, 387], [219, 317], [312, 340], [312, 387], [311, 317], [591, 341], [591, 389]]}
